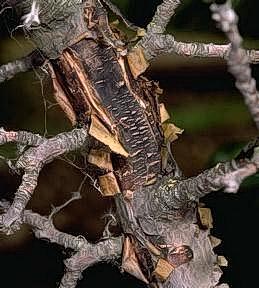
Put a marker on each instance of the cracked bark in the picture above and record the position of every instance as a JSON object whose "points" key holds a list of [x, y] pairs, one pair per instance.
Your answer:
{"points": [[27, 63], [119, 111]]}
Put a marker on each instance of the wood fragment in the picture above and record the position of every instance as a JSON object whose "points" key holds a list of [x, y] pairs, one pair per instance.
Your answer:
{"points": [[205, 217], [163, 269], [137, 62], [171, 132], [100, 158], [153, 249], [101, 133], [109, 185], [141, 32], [214, 241], [130, 262], [222, 261], [164, 115], [61, 97]]}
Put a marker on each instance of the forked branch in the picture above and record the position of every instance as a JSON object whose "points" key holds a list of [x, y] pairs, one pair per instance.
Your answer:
{"points": [[156, 42], [238, 61], [228, 176], [175, 194], [32, 161], [86, 254]]}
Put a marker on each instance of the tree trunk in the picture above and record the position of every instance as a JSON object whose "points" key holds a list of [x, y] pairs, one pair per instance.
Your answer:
{"points": [[124, 130]]}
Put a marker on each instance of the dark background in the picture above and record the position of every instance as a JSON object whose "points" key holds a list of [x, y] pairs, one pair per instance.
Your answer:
{"points": [[202, 99]]}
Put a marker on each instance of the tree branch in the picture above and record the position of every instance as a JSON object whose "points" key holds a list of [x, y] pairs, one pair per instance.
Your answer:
{"points": [[238, 61], [27, 63], [163, 15], [31, 162], [20, 137], [90, 254], [87, 254], [175, 194], [155, 43], [158, 45]]}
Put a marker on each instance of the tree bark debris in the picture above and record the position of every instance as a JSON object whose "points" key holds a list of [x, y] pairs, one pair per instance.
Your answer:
{"points": [[127, 136]]}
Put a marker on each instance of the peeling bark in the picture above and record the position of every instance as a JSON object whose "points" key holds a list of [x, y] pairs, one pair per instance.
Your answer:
{"points": [[125, 131]]}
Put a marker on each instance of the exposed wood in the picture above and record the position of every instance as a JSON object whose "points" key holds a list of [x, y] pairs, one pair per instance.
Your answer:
{"points": [[137, 62], [109, 185], [101, 159], [98, 82], [205, 217], [163, 269], [130, 262], [101, 133]]}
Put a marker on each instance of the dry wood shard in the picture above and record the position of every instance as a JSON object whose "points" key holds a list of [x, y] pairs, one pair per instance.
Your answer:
{"points": [[61, 97], [130, 262], [171, 132], [109, 185], [214, 241], [137, 62], [222, 261], [163, 269], [164, 115], [205, 217], [101, 133], [100, 158]]}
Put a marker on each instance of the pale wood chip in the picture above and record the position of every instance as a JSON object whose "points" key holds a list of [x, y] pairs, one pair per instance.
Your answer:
{"points": [[163, 269], [101, 159], [164, 115], [101, 133], [205, 217], [130, 262], [222, 261], [109, 185], [137, 61]]}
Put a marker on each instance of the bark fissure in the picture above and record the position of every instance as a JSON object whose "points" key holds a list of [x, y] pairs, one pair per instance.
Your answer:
{"points": [[95, 83]]}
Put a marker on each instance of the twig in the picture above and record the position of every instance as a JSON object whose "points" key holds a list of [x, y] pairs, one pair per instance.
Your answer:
{"points": [[27, 63], [31, 162], [20, 137], [108, 250], [32, 18], [156, 43], [174, 194], [75, 196], [86, 254], [238, 61], [44, 228], [94, 181], [4, 9], [163, 15], [161, 44], [55, 210]]}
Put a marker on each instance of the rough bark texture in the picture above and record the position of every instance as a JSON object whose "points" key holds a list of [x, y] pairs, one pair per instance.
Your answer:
{"points": [[97, 81]]}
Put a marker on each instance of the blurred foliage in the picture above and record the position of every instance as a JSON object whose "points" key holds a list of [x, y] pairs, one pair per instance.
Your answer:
{"points": [[193, 14], [226, 152], [196, 117], [201, 101]]}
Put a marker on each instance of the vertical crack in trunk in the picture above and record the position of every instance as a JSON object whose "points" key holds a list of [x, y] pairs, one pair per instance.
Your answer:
{"points": [[99, 83]]}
